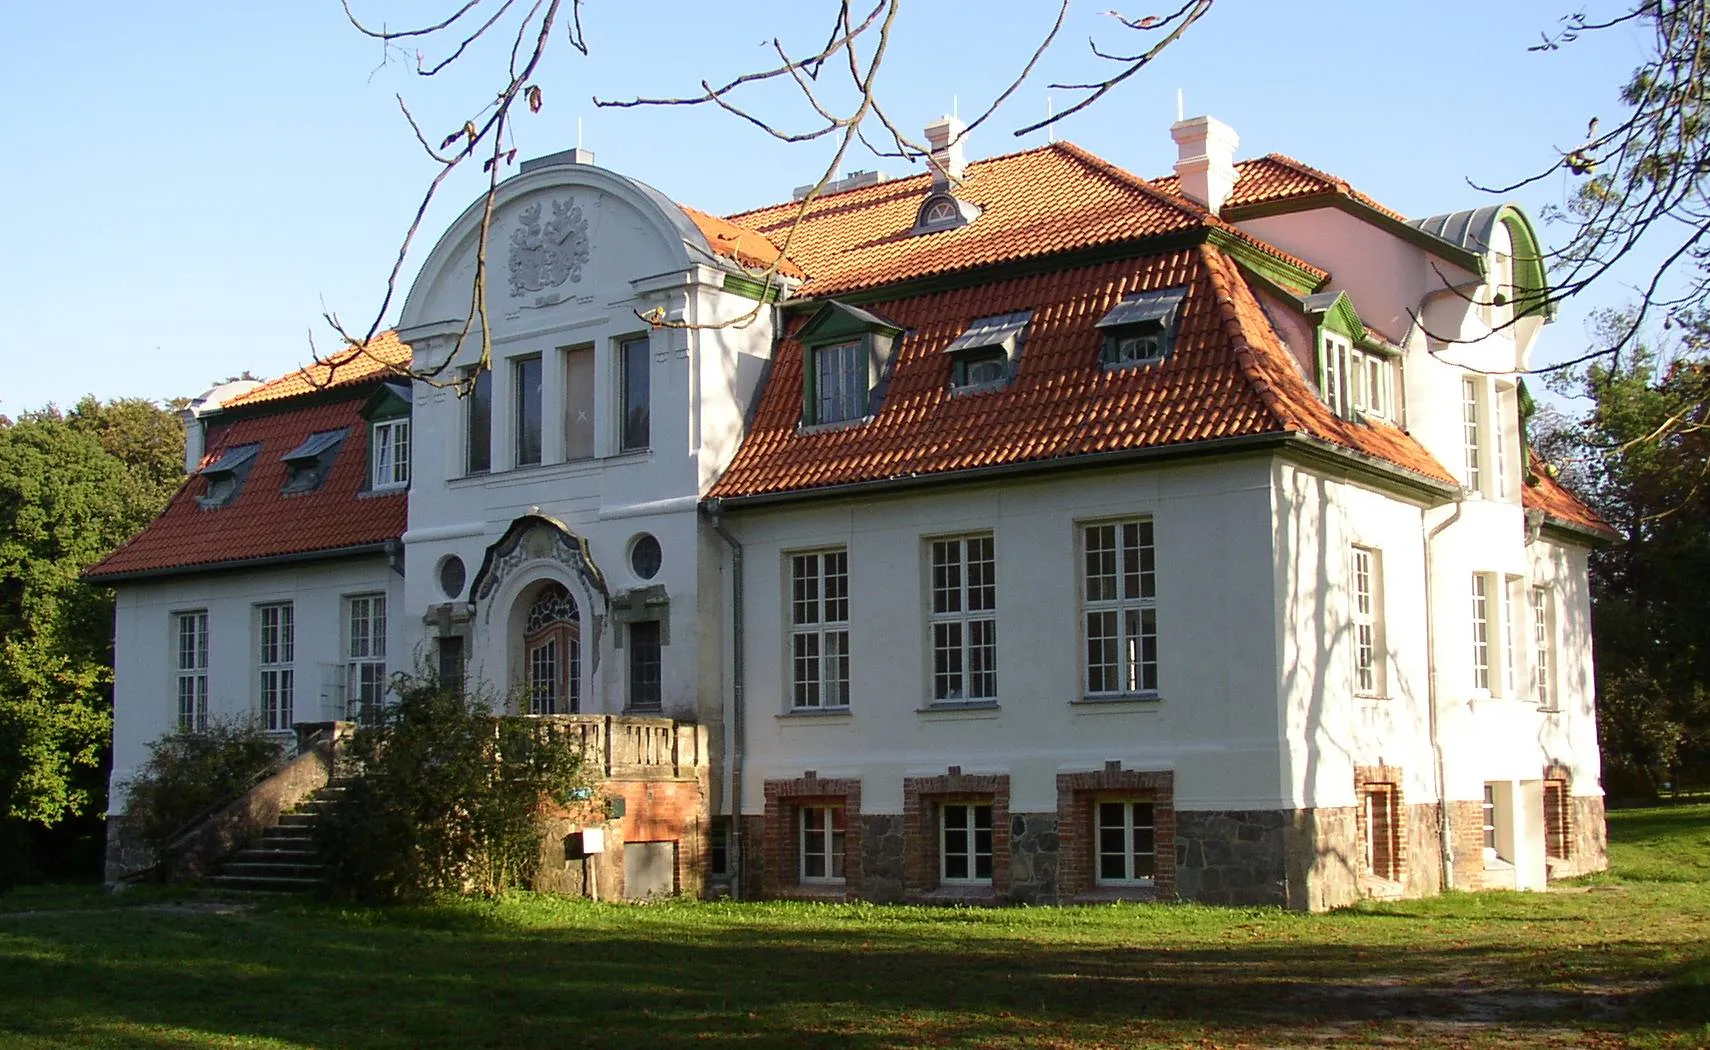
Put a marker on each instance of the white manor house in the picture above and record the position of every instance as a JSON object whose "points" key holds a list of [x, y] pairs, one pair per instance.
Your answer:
{"points": [[1042, 533]]}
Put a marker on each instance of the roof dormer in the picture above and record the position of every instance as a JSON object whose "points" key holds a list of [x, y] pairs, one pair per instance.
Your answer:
{"points": [[942, 209], [226, 474]]}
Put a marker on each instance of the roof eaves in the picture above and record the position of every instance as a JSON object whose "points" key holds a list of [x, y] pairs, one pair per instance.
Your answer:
{"points": [[94, 575]]}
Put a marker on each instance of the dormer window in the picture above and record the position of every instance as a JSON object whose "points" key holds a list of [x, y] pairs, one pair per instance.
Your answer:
{"points": [[390, 452], [226, 475], [845, 351], [1140, 329], [387, 411], [307, 465], [943, 210], [985, 354]]}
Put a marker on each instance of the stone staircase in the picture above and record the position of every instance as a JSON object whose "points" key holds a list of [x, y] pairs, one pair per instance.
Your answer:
{"points": [[286, 858]]}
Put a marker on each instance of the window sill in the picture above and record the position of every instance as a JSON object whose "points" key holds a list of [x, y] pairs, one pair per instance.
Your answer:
{"points": [[815, 714], [950, 710], [1373, 698], [1148, 701]]}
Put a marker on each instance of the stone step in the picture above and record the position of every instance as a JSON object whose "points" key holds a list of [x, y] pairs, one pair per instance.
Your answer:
{"points": [[298, 820], [252, 855], [251, 869], [292, 831], [289, 843], [263, 883]]}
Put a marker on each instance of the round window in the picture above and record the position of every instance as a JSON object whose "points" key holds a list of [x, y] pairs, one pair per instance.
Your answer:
{"points": [[645, 556], [451, 575]]}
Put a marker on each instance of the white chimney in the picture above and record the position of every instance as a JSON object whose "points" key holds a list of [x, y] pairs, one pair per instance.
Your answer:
{"points": [[1206, 161], [945, 137]]}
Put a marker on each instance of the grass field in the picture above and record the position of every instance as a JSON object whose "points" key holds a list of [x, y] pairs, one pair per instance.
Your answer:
{"points": [[1617, 960]]}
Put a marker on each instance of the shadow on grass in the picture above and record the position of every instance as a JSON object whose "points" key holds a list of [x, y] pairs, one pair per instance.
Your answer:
{"points": [[453, 978]]}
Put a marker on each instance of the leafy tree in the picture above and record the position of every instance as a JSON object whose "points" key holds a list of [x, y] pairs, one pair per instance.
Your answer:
{"points": [[72, 487], [451, 799], [1642, 458]]}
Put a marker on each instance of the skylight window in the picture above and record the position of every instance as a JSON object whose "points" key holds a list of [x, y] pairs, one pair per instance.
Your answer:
{"points": [[307, 465], [986, 353], [226, 475], [1141, 328]]}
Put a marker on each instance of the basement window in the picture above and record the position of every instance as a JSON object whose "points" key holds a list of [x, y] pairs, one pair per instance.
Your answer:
{"points": [[1140, 329], [985, 355], [307, 465], [226, 475]]}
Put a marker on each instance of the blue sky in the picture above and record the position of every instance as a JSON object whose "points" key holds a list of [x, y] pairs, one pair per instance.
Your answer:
{"points": [[190, 183]]}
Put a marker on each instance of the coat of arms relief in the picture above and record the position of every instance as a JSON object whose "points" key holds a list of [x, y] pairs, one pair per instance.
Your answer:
{"points": [[544, 254]]}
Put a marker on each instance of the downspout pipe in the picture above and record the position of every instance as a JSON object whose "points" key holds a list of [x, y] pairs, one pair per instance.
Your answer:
{"points": [[714, 511], [1447, 851]]}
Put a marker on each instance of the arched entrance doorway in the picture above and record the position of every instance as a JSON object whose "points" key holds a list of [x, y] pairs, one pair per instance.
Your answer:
{"points": [[552, 648]]}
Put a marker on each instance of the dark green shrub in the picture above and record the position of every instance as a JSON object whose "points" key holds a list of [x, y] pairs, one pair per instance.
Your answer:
{"points": [[450, 798], [192, 775]]}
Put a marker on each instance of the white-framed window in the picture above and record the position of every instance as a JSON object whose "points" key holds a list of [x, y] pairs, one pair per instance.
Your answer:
{"points": [[819, 629], [1368, 619], [1500, 460], [643, 645], [365, 651], [635, 393], [527, 409], [1543, 647], [1374, 384], [190, 667], [1511, 604], [821, 843], [579, 429], [963, 620], [1488, 809], [1472, 431], [839, 381], [1336, 368], [965, 842], [389, 446], [276, 626], [1119, 607], [1125, 838], [477, 389], [1481, 610]]}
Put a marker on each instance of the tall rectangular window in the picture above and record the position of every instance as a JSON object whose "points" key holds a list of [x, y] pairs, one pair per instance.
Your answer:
{"points": [[839, 382], [526, 409], [964, 619], [1511, 599], [645, 664], [819, 629], [365, 667], [821, 845], [1470, 428], [1543, 647], [635, 379], [1558, 819], [190, 664], [478, 419], [450, 654], [1380, 826], [389, 446], [579, 403], [1481, 630], [1127, 843], [1368, 622], [964, 842], [1499, 439], [278, 630], [1119, 607], [1336, 379]]}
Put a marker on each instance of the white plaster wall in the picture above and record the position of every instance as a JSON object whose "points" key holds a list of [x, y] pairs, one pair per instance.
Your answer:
{"points": [[1216, 723], [145, 705], [1330, 729]]}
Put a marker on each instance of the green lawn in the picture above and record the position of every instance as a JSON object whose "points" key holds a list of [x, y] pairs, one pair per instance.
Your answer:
{"points": [[1617, 960]]}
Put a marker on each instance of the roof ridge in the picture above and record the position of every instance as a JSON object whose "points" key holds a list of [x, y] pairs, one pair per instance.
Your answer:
{"points": [[268, 390], [1125, 177], [736, 216]]}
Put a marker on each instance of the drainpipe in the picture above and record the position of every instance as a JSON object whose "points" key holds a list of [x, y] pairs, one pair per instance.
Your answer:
{"points": [[1448, 845], [715, 516]]}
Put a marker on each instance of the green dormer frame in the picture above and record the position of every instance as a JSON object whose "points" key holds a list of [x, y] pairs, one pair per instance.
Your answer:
{"points": [[389, 400], [832, 328], [1530, 277]]}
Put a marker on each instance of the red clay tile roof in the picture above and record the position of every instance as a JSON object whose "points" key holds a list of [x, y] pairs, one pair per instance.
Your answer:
{"points": [[728, 239], [262, 522], [1041, 202], [1274, 177], [1227, 375], [384, 353], [1553, 498]]}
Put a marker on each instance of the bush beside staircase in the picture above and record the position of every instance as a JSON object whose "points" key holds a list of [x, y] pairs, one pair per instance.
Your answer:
{"points": [[285, 858]]}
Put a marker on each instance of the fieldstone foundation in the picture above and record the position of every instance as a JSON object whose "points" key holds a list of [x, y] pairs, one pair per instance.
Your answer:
{"points": [[1231, 856], [127, 856], [1033, 860], [1588, 840], [882, 857], [1321, 855]]}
